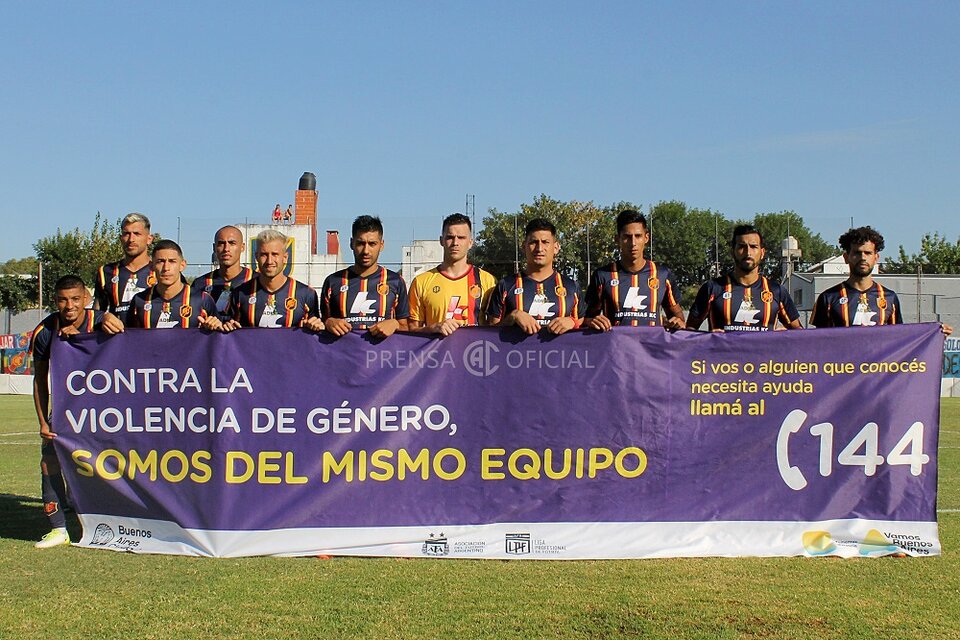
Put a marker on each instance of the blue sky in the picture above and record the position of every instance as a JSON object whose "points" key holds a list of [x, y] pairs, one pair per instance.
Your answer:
{"points": [[211, 111]]}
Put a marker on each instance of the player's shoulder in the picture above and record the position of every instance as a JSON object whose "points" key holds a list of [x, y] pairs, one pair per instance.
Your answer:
{"points": [[487, 279], [200, 282], [424, 278]]}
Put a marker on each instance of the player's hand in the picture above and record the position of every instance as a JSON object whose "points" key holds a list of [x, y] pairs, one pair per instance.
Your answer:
{"points": [[946, 329], [445, 328], [337, 326], [525, 321], [674, 323], [111, 324], [210, 323], [558, 326], [46, 432], [312, 324], [598, 323], [384, 329], [69, 330], [229, 325]]}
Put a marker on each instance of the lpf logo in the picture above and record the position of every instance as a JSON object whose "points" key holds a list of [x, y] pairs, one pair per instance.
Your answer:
{"points": [[517, 544], [478, 358]]}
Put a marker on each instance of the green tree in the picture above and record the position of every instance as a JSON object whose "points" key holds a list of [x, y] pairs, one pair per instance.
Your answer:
{"points": [[937, 255], [77, 252], [777, 226], [690, 242], [498, 246], [18, 284]]}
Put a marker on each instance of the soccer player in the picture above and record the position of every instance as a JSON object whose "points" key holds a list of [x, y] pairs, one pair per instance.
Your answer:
{"points": [[272, 299], [455, 293], [171, 303], [540, 297], [230, 274], [744, 300], [71, 297], [117, 282], [365, 295], [859, 301], [632, 291]]}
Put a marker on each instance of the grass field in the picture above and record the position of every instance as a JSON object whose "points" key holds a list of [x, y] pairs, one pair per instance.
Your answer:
{"points": [[78, 593]]}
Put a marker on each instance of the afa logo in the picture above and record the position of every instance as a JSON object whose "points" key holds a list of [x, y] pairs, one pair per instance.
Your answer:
{"points": [[103, 535], [435, 545]]}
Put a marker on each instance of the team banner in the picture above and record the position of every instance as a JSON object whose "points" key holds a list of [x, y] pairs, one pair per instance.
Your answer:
{"points": [[492, 444]]}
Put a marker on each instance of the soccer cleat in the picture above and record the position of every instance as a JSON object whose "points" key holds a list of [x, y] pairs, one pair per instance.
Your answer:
{"points": [[53, 539]]}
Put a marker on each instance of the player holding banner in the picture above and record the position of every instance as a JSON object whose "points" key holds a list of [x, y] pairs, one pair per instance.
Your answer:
{"points": [[171, 303], [632, 291], [860, 301], [271, 300], [72, 318], [365, 295], [744, 300], [540, 297]]}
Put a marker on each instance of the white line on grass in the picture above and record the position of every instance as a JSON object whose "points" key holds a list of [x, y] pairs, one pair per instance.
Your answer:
{"points": [[11, 444], [948, 510], [17, 433]]}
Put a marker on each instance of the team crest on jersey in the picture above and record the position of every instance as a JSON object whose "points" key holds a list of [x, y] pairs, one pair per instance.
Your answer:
{"points": [[115, 279], [560, 291], [727, 295], [767, 296], [148, 306], [252, 300], [518, 290], [344, 288], [844, 300], [186, 311], [290, 304], [614, 282], [475, 291], [653, 283], [436, 289], [882, 303], [151, 279], [383, 289]]}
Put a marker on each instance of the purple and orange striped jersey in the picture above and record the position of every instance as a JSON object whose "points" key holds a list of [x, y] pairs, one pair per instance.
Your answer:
{"points": [[50, 327], [184, 310], [555, 297], [364, 301], [843, 306], [115, 285], [219, 287], [729, 305], [253, 306], [632, 298]]}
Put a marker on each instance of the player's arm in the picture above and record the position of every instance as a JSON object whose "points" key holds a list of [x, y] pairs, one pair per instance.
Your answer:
{"points": [[700, 308], [820, 317], [593, 317], [789, 316], [232, 313], [670, 304], [111, 324], [41, 397], [208, 320]]}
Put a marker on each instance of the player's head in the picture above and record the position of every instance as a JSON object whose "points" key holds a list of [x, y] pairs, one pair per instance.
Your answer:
{"points": [[861, 249], [540, 245], [71, 296], [456, 237], [746, 247], [168, 262], [271, 252], [228, 245], [366, 241], [135, 234], [632, 235]]}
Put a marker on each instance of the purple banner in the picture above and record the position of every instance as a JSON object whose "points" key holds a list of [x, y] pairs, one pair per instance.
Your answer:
{"points": [[289, 442]]}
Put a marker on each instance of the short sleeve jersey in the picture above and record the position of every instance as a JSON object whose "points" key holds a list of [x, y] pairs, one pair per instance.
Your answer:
{"points": [[184, 310], [732, 306], [116, 285], [50, 327], [364, 301], [435, 297], [843, 306], [631, 298], [253, 306], [555, 297], [220, 288]]}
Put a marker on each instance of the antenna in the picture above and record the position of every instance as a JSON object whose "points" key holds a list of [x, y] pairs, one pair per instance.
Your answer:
{"points": [[470, 210]]}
